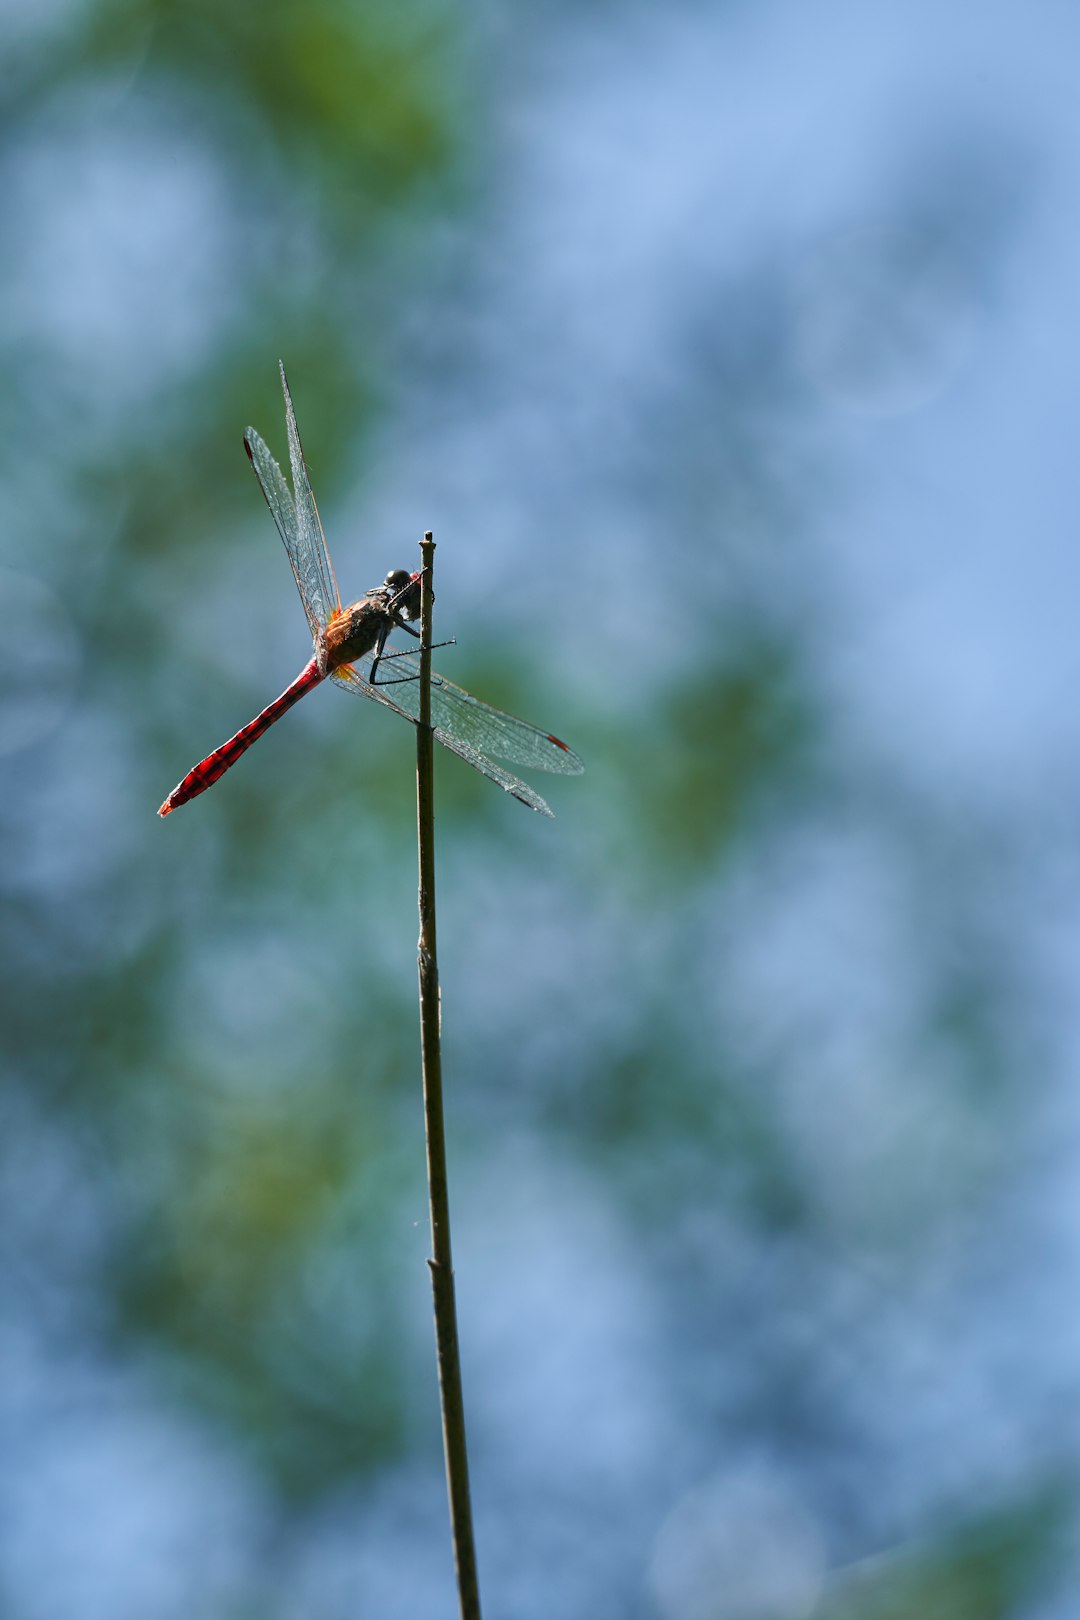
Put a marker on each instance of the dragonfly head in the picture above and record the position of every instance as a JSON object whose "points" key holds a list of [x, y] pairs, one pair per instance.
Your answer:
{"points": [[404, 590]]}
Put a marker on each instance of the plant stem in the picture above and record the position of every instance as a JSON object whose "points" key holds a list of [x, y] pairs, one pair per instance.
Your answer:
{"points": [[441, 1262]]}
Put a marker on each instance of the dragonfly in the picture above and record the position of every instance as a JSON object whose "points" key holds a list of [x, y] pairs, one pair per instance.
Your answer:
{"points": [[349, 646]]}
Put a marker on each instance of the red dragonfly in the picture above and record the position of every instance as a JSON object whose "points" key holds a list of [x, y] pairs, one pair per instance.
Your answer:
{"points": [[349, 645]]}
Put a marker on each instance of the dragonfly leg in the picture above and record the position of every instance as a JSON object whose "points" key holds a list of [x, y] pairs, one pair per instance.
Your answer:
{"points": [[380, 643], [411, 652], [399, 680]]}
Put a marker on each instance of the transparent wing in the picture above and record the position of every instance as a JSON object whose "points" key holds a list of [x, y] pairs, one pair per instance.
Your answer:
{"points": [[318, 568], [476, 725], [459, 726], [303, 541]]}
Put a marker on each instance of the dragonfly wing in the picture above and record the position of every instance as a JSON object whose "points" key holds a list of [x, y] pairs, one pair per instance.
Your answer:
{"points": [[316, 566], [492, 731], [350, 680], [279, 500], [456, 713], [303, 542]]}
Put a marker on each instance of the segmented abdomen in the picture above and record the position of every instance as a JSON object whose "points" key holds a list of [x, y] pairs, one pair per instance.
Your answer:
{"points": [[207, 771]]}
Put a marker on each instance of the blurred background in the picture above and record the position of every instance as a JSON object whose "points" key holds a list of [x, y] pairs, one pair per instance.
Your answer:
{"points": [[730, 350]]}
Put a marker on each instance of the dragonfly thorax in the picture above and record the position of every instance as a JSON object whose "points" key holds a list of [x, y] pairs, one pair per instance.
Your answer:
{"points": [[363, 626]]}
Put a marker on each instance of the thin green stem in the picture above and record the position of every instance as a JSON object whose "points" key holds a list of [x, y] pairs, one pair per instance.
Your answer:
{"points": [[441, 1262]]}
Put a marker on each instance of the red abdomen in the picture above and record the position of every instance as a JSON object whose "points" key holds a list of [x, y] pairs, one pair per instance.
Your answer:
{"points": [[207, 771]]}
